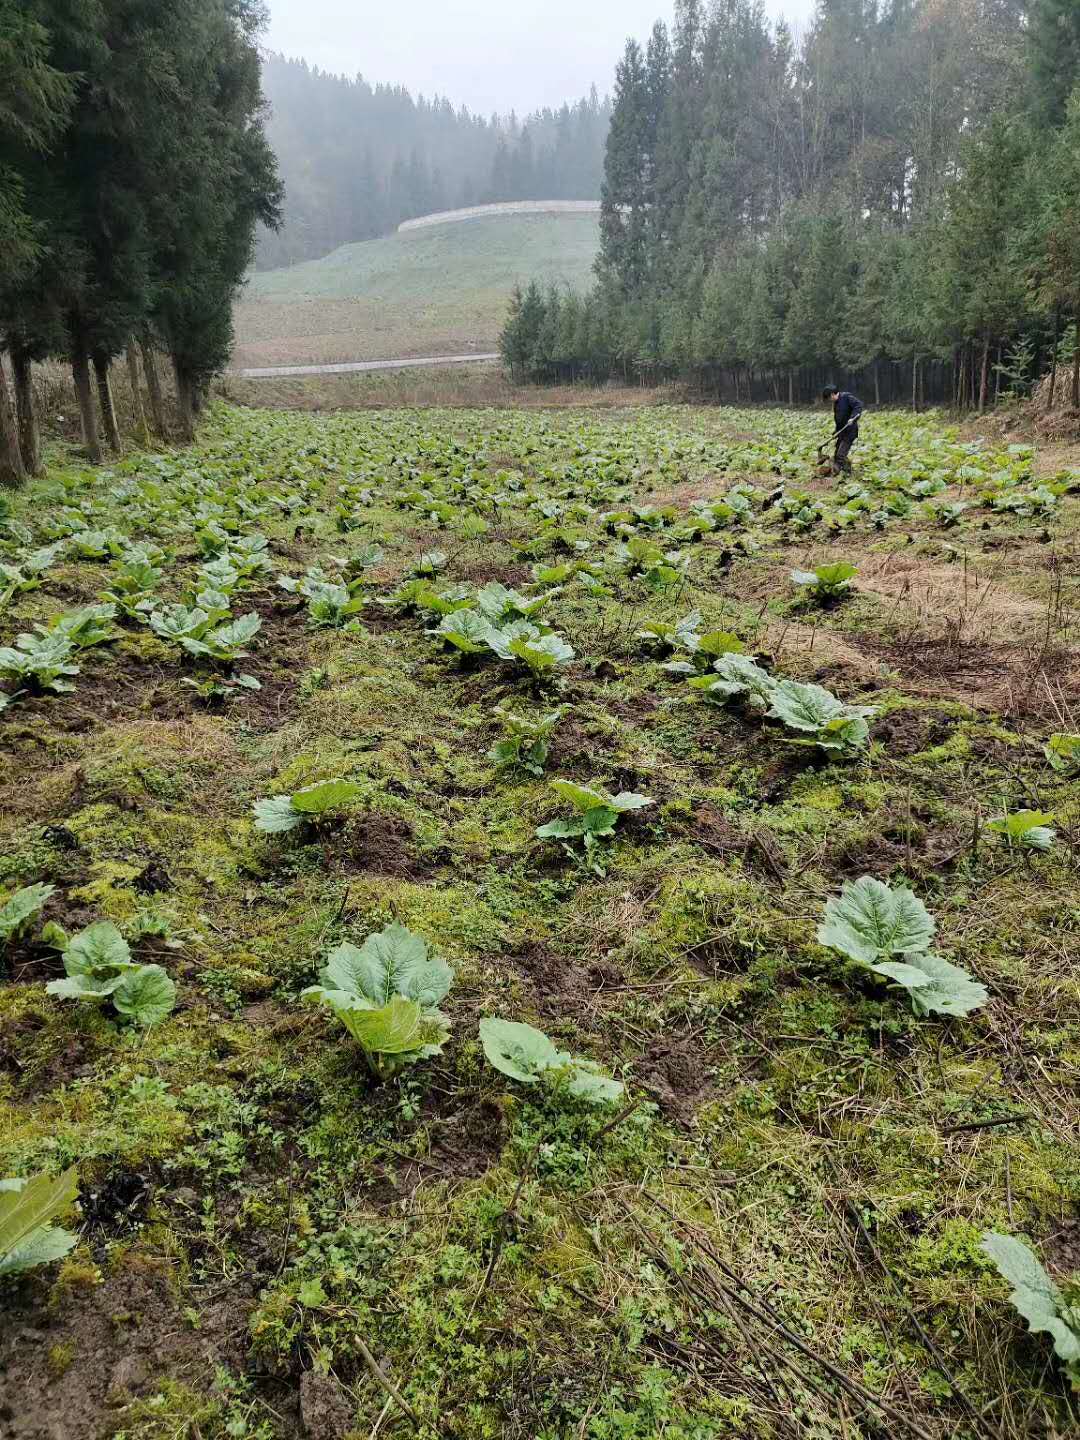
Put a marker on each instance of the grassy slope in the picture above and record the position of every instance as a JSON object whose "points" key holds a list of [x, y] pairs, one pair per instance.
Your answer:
{"points": [[253, 1204], [425, 292]]}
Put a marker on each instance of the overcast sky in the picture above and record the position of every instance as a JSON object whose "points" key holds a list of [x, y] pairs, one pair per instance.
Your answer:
{"points": [[486, 54]]}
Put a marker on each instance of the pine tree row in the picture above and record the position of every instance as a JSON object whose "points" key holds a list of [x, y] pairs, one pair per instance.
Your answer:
{"points": [[893, 201], [133, 172]]}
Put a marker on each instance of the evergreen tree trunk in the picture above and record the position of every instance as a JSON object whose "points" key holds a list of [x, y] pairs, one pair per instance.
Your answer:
{"points": [[153, 389], [877, 383], [108, 409], [914, 382], [29, 434], [185, 406], [984, 375], [12, 469], [1054, 359], [80, 370], [1076, 365], [138, 414]]}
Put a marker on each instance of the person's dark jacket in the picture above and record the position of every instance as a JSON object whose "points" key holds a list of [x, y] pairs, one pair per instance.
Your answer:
{"points": [[846, 407]]}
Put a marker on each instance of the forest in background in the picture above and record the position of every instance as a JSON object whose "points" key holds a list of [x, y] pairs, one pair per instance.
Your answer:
{"points": [[358, 159], [133, 171], [893, 198]]}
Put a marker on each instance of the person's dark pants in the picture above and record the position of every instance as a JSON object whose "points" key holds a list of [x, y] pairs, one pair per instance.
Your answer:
{"points": [[843, 447]]}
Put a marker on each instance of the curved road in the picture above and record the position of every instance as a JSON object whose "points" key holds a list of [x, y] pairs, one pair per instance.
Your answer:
{"points": [[353, 367]]}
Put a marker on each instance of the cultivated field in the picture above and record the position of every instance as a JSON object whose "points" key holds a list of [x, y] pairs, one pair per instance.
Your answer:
{"points": [[622, 1127], [437, 291]]}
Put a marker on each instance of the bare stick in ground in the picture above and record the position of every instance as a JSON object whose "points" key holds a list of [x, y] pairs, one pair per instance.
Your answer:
{"points": [[379, 1375]]}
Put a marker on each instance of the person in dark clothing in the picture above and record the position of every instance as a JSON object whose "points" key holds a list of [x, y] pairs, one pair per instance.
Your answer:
{"points": [[846, 411]]}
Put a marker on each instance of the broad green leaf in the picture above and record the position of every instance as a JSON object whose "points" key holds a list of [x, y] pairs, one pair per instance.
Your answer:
{"points": [[629, 800], [582, 797], [324, 796], [100, 947], [393, 962], [28, 1210], [467, 630], [520, 1051], [870, 921], [1028, 828], [396, 1028], [526, 1054], [936, 986], [238, 632], [276, 815], [1063, 753], [85, 987], [146, 995], [21, 907], [1034, 1294], [45, 1245]]}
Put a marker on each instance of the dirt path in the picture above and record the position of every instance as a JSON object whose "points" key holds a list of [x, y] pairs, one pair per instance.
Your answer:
{"points": [[273, 372]]}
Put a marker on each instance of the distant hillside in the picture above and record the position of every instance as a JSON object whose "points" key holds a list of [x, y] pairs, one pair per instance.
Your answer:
{"points": [[437, 290], [358, 158]]}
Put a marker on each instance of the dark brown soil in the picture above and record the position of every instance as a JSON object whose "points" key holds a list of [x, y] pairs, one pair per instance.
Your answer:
{"points": [[1061, 1251], [379, 845], [131, 1324], [675, 1073]]}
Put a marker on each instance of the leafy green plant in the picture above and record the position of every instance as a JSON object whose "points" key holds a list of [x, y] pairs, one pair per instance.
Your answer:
{"points": [[704, 651], [502, 606], [527, 1055], [315, 805], [133, 585], [527, 741], [386, 993], [98, 966], [89, 625], [821, 716], [27, 574], [201, 632], [871, 923], [19, 909], [596, 818], [28, 1237], [1063, 753], [826, 582], [523, 644], [1047, 1308], [665, 635], [1026, 829], [331, 602], [466, 630], [737, 677], [40, 662], [212, 688]]}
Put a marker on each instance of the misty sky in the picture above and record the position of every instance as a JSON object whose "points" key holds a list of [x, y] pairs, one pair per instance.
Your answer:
{"points": [[486, 54]]}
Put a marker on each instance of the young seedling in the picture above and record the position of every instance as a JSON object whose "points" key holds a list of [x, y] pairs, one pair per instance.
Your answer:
{"points": [[40, 662], [890, 931], [527, 742], [1025, 829], [98, 966], [826, 583], [528, 1056], [314, 806], [28, 1237], [596, 818], [386, 993], [820, 716], [90, 625]]}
